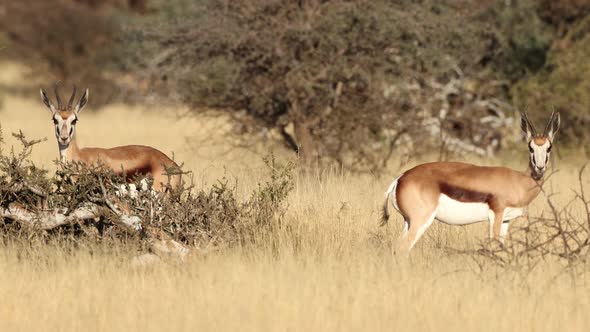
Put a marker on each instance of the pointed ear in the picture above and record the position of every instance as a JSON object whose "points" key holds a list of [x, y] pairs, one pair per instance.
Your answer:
{"points": [[82, 102], [525, 127], [554, 126], [47, 101]]}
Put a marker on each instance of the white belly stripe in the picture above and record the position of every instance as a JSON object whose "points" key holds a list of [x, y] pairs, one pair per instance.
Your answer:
{"points": [[454, 212], [451, 211]]}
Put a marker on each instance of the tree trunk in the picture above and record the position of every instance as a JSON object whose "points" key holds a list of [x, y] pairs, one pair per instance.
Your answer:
{"points": [[306, 147]]}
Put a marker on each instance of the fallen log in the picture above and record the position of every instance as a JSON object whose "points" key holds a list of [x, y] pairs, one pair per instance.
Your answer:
{"points": [[159, 243], [59, 217]]}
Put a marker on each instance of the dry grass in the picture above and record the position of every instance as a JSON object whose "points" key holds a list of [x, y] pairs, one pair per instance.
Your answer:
{"points": [[330, 267]]}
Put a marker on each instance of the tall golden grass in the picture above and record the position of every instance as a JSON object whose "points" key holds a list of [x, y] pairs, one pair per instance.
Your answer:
{"points": [[330, 267]]}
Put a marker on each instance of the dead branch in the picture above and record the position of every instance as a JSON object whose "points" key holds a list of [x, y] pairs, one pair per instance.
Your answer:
{"points": [[162, 245], [559, 234]]}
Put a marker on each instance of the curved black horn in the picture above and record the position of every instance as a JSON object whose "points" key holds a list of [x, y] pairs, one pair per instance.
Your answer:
{"points": [[71, 101], [530, 124], [57, 97], [548, 126]]}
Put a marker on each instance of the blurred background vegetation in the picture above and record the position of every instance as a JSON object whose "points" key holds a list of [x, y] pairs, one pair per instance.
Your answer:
{"points": [[349, 83]]}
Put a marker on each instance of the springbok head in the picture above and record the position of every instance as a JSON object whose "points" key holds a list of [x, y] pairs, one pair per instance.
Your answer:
{"points": [[64, 117], [540, 145]]}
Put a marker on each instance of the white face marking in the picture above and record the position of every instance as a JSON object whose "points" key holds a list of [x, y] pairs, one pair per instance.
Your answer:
{"points": [[539, 156], [64, 128], [454, 212]]}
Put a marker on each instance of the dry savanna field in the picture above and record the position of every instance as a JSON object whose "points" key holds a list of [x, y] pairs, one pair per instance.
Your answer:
{"points": [[330, 268]]}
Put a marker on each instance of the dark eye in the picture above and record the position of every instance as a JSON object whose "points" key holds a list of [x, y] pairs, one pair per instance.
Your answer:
{"points": [[74, 121], [531, 149], [549, 149], [54, 121]]}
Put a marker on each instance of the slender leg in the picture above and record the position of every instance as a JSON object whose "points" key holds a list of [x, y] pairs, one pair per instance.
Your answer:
{"points": [[400, 245], [498, 228], [491, 218], [406, 228], [418, 224], [504, 230]]}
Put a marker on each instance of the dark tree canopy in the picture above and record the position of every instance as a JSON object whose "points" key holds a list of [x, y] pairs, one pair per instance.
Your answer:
{"points": [[340, 82], [333, 77]]}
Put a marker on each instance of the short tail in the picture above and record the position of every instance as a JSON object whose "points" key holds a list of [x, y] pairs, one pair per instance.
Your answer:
{"points": [[389, 200]]}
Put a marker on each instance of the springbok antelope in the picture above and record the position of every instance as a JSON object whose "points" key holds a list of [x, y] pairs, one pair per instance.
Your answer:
{"points": [[458, 193], [130, 159]]}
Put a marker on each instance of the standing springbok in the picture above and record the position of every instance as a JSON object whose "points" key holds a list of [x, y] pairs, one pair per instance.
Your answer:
{"points": [[130, 159], [459, 193]]}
